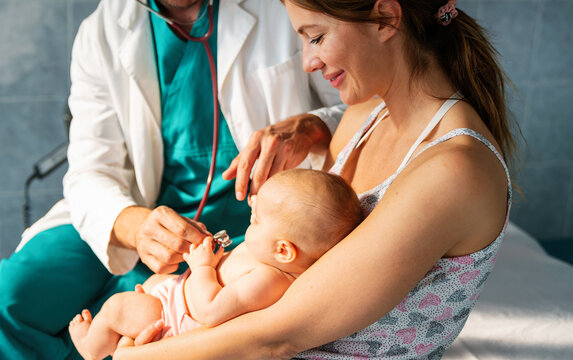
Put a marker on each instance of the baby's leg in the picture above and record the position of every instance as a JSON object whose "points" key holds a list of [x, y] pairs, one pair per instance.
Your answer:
{"points": [[123, 314], [79, 327]]}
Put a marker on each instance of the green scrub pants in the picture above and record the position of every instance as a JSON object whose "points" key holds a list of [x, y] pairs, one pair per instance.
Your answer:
{"points": [[57, 275]]}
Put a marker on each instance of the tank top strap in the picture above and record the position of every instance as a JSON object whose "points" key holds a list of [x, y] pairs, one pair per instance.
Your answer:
{"points": [[370, 124], [367, 130], [357, 139], [480, 138], [370, 198], [475, 135], [446, 106]]}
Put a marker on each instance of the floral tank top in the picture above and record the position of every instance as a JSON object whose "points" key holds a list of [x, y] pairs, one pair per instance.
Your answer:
{"points": [[431, 316]]}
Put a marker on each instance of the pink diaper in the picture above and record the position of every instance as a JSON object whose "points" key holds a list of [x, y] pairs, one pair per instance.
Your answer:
{"points": [[175, 313]]}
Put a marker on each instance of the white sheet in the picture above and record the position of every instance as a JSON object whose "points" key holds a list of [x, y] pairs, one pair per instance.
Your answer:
{"points": [[526, 309]]}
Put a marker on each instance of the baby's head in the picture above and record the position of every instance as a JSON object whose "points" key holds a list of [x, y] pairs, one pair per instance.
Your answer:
{"points": [[300, 214]]}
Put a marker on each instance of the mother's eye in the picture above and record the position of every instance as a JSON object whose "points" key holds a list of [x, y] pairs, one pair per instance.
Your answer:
{"points": [[316, 40]]}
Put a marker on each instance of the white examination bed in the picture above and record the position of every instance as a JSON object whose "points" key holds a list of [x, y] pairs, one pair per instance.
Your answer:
{"points": [[526, 309]]}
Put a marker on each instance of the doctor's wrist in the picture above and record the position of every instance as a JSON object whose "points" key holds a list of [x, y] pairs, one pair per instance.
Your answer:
{"points": [[126, 226]]}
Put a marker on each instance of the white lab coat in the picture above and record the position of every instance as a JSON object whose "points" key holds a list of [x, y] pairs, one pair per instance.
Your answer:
{"points": [[116, 150]]}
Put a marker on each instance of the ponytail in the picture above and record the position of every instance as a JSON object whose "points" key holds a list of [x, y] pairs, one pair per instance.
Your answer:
{"points": [[471, 62], [467, 57]]}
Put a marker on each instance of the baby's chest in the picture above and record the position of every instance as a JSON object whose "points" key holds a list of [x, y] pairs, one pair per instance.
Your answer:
{"points": [[235, 265]]}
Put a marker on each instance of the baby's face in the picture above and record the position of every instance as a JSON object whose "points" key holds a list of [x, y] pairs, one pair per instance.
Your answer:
{"points": [[267, 224]]}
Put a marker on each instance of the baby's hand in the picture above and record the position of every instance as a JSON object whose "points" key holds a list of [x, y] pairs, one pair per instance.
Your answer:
{"points": [[202, 254]]}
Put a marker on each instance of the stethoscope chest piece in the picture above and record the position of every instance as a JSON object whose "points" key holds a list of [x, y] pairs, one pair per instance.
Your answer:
{"points": [[222, 238]]}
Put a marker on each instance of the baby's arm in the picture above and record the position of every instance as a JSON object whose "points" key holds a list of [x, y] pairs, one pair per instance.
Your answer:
{"points": [[215, 304]]}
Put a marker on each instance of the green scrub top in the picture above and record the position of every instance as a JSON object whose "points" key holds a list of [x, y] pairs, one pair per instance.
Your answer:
{"points": [[187, 129]]}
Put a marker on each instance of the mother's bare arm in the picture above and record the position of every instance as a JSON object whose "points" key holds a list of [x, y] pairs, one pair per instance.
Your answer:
{"points": [[423, 215]]}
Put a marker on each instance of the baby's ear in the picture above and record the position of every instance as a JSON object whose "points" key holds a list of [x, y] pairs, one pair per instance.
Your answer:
{"points": [[285, 251]]}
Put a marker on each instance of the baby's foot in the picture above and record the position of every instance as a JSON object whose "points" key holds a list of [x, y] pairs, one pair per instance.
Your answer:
{"points": [[78, 328]]}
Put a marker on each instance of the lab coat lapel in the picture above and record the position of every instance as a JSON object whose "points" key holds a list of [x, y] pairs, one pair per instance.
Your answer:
{"points": [[233, 28], [136, 58]]}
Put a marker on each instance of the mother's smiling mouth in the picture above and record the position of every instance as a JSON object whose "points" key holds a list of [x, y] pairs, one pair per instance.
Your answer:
{"points": [[335, 78]]}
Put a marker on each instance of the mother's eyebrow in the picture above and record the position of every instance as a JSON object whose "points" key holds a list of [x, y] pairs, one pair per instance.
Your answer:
{"points": [[303, 28]]}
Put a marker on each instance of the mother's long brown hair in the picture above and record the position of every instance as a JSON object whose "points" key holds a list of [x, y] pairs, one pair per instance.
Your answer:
{"points": [[460, 48]]}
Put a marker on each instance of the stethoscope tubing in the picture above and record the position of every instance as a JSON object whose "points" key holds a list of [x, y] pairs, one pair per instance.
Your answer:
{"points": [[213, 70], [203, 40]]}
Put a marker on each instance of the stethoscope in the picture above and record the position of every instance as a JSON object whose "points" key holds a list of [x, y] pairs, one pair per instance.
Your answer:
{"points": [[221, 237]]}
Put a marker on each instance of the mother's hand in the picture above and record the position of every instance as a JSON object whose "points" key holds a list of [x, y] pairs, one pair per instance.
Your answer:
{"points": [[277, 147], [151, 334]]}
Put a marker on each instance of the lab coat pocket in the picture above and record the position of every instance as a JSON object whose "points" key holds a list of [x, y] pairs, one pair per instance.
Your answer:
{"points": [[284, 88]]}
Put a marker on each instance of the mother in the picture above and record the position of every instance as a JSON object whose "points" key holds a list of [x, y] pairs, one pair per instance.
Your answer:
{"points": [[427, 156]]}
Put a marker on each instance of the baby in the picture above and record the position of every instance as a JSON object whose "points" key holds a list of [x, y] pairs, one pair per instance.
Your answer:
{"points": [[296, 217]]}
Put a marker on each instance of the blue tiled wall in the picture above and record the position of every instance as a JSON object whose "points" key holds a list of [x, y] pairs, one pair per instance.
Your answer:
{"points": [[534, 38], [35, 44], [535, 41]]}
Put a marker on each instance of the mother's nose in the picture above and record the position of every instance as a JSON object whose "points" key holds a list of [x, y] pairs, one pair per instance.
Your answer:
{"points": [[310, 61]]}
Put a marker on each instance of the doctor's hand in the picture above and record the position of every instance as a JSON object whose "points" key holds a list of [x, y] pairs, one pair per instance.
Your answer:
{"points": [[277, 147], [160, 236]]}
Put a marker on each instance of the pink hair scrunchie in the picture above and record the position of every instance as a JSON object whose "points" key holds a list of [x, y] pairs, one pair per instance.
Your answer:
{"points": [[446, 13]]}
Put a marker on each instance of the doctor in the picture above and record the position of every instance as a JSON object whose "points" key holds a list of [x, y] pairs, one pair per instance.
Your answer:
{"points": [[140, 146]]}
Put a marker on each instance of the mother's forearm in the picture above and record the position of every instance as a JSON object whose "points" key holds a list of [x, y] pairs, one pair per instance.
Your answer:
{"points": [[229, 340]]}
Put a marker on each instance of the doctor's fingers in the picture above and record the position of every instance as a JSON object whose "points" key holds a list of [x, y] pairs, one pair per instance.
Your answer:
{"points": [[173, 245], [270, 161], [199, 226], [231, 172], [243, 164], [278, 154], [182, 228], [277, 150], [158, 257]]}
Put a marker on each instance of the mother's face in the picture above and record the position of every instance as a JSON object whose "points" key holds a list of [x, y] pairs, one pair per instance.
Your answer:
{"points": [[347, 54]]}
